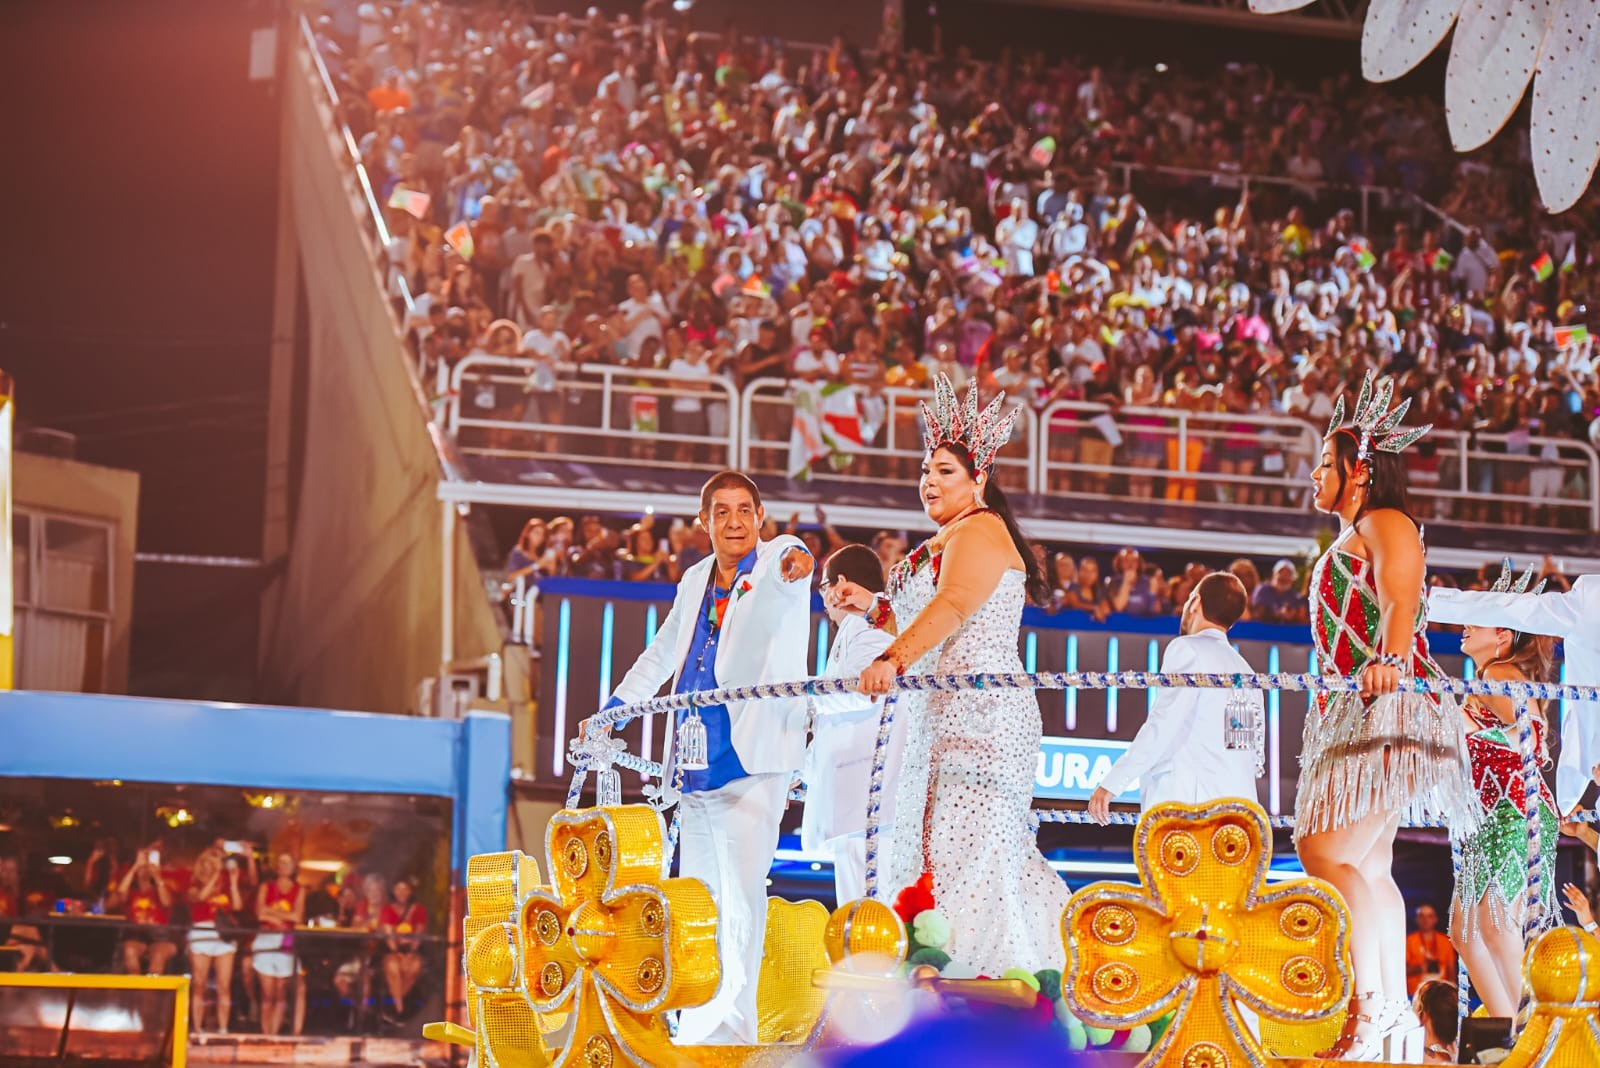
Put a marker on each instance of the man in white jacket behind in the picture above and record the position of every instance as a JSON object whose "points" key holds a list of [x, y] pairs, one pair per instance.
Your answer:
{"points": [[844, 732], [741, 616], [1197, 745], [1574, 617]]}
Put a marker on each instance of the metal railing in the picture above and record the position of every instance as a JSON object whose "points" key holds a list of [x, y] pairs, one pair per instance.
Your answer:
{"points": [[1506, 480], [1175, 456], [621, 413], [1164, 455], [766, 415], [376, 230]]}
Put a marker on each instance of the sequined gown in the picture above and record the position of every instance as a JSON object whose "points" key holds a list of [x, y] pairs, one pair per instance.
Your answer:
{"points": [[969, 765], [1402, 752], [1494, 861]]}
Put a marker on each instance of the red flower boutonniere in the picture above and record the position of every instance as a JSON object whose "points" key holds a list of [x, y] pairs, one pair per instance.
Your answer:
{"points": [[744, 587]]}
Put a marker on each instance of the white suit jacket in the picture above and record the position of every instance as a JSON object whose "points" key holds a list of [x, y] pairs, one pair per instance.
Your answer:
{"points": [[765, 636], [1574, 617], [844, 734], [1179, 753]]}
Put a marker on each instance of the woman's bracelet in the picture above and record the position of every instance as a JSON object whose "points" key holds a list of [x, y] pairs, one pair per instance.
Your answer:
{"points": [[1591, 926], [878, 615], [1394, 660]]}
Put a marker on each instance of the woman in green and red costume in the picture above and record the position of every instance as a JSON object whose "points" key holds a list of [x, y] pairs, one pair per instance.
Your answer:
{"points": [[1374, 758]]}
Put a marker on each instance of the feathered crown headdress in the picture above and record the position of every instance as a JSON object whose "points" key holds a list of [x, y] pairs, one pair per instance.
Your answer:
{"points": [[951, 422], [1374, 425]]}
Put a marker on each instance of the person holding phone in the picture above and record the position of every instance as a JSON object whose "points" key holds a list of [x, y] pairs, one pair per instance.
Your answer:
{"points": [[144, 898], [217, 896]]}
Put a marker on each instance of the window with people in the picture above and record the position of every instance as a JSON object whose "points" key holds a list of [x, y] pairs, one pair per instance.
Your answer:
{"points": [[291, 914]]}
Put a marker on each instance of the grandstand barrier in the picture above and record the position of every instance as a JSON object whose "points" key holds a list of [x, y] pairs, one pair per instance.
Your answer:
{"points": [[591, 631], [1245, 462], [600, 411], [1176, 456], [894, 451]]}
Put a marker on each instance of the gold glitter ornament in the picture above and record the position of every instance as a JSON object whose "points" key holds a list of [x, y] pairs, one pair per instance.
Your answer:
{"points": [[1561, 971], [1204, 935], [865, 926], [632, 946]]}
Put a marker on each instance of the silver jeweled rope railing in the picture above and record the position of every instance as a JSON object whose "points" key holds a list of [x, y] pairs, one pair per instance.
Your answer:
{"points": [[598, 752]]}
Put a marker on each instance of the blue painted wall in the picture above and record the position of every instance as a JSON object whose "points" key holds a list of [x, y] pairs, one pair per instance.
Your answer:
{"points": [[79, 736]]}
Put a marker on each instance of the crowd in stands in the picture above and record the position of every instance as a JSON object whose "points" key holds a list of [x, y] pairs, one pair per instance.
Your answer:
{"points": [[260, 937], [1128, 583], [720, 207]]}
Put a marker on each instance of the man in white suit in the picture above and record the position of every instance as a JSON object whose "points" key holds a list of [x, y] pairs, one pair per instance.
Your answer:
{"points": [[844, 732], [741, 617], [1574, 617], [1190, 749]]}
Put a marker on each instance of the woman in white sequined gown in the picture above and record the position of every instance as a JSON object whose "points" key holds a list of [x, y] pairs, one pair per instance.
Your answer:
{"points": [[970, 758]]}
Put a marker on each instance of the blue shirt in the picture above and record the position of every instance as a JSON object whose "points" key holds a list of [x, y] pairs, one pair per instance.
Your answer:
{"points": [[700, 673]]}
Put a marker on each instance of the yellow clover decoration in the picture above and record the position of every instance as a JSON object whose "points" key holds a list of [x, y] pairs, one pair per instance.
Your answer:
{"points": [[614, 942], [1203, 936], [1561, 973], [507, 1030]]}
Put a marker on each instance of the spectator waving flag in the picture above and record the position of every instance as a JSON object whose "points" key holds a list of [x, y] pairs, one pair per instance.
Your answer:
{"points": [[1543, 267], [1567, 336], [460, 238], [410, 201], [1569, 262], [1442, 260], [827, 426]]}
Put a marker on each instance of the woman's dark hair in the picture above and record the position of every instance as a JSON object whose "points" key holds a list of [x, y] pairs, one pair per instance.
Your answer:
{"points": [[1386, 480], [1436, 1006], [856, 563], [995, 500]]}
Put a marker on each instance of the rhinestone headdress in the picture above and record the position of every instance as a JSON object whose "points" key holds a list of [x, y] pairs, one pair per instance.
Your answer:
{"points": [[1509, 583], [1374, 425], [951, 422], [1505, 584]]}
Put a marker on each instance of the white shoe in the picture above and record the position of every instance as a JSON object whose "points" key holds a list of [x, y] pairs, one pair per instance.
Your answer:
{"points": [[1403, 1037]]}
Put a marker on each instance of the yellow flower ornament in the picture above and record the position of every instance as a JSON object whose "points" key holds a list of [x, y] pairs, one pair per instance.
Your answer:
{"points": [[615, 943], [1204, 935]]}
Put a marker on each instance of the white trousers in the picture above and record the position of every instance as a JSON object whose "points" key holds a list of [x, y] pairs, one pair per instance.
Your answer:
{"points": [[727, 840], [850, 867]]}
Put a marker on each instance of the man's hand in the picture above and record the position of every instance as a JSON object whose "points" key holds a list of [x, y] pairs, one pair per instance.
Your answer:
{"points": [[1100, 805], [796, 564]]}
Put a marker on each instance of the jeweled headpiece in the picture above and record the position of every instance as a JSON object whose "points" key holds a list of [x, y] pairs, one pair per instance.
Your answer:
{"points": [[1508, 583], [951, 422], [1374, 425]]}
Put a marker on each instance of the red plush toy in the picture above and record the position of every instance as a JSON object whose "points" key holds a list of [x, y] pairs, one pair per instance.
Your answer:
{"points": [[918, 897]]}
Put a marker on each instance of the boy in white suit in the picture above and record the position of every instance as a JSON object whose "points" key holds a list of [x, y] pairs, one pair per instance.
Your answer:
{"points": [[1574, 617], [844, 732], [741, 617], [1183, 752]]}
